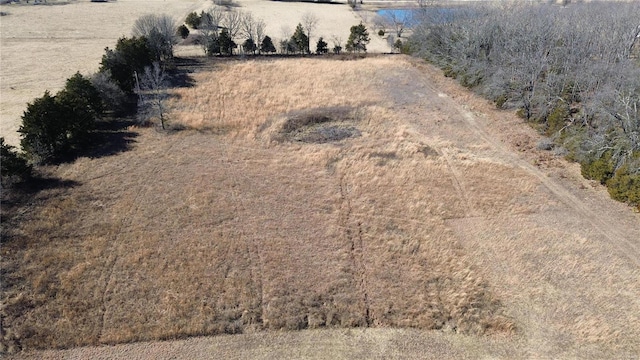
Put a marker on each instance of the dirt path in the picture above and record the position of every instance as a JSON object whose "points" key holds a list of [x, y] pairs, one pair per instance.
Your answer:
{"points": [[559, 296]]}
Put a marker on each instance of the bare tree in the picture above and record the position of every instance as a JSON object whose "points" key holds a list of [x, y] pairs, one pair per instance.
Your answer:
{"points": [[396, 20], [309, 23], [152, 91], [232, 21], [570, 69], [252, 28], [260, 32], [160, 32]]}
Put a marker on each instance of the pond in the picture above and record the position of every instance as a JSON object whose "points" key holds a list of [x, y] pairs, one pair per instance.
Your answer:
{"points": [[406, 16], [434, 15]]}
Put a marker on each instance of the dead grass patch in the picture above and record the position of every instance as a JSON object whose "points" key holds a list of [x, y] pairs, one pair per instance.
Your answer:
{"points": [[319, 125]]}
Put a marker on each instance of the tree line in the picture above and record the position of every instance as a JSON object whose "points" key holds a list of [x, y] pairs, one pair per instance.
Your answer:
{"points": [[60, 126], [573, 72], [132, 79], [220, 27]]}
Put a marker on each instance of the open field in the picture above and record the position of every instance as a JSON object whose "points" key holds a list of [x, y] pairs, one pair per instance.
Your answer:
{"points": [[42, 46], [433, 225]]}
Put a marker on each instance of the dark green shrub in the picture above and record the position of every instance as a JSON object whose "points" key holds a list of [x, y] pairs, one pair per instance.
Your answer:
{"points": [[557, 119], [381, 33], [471, 80], [600, 169], [625, 186], [267, 45], [398, 45], [130, 56], [193, 20], [449, 72], [183, 31], [501, 100], [322, 47], [14, 168]]}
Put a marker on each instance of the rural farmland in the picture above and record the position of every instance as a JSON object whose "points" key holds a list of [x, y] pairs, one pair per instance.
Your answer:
{"points": [[336, 206]]}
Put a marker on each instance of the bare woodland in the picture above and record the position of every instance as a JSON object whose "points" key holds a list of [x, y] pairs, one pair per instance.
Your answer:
{"points": [[572, 71]]}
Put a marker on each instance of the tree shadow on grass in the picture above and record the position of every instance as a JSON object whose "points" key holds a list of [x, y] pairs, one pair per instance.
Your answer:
{"points": [[180, 77], [111, 138], [19, 198]]}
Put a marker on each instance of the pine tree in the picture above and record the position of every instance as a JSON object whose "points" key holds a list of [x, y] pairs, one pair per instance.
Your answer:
{"points": [[226, 43], [358, 39], [300, 40], [321, 47], [249, 46], [267, 45]]}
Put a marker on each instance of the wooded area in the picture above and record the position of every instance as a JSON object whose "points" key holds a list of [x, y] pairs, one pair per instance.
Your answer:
{"points": [[572, 71]]}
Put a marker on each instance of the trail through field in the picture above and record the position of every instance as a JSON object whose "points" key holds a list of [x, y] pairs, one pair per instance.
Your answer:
{"points": [[543, 256], [436, 230]]}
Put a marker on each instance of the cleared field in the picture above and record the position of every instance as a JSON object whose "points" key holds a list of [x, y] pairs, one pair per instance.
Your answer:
{"points": [[315, 193]]}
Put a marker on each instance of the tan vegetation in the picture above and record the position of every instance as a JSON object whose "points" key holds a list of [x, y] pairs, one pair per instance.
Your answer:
{"points": [[44, 45], [256, 236], [436, 216]]}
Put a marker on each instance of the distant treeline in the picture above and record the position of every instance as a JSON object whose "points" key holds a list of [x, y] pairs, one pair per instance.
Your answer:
{"points": [[573, 72]]}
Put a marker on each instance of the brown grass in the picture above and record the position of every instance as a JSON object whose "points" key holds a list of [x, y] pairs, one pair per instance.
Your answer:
{"points": [[423, 221]]}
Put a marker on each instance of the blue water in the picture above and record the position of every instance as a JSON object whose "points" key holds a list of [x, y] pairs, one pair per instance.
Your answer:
{"points": [[404, 15], [437, 15]]}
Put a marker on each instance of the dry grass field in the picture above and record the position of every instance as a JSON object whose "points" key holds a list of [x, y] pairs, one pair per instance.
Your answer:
{"points": [[318, 194], [41, 46]]}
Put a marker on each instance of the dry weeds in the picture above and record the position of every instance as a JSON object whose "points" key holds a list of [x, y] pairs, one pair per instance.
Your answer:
{"points": [[424, 221]]}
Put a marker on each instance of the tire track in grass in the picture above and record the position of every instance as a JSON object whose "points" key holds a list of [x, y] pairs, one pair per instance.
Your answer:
{"points": [[253, 254], [355, 241], [116, 248]]}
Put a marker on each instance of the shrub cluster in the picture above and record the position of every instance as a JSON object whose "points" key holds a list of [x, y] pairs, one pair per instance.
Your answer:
{"points": [[60, 125], [56, 126], [14, 168]]}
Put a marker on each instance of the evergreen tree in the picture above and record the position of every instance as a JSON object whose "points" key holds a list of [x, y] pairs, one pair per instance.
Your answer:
{"points": [[193, 20], [226, 43], [54, 126], [13, 167], [183, 31], [321, 47], [130, 56], [80, 91], [249, 46], [358, 39], [300, 40], [267, 45], [45, 132], [213, 46]]}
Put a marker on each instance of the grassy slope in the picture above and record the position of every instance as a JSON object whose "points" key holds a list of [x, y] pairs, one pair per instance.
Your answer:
{"points": [[427, 220]]}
